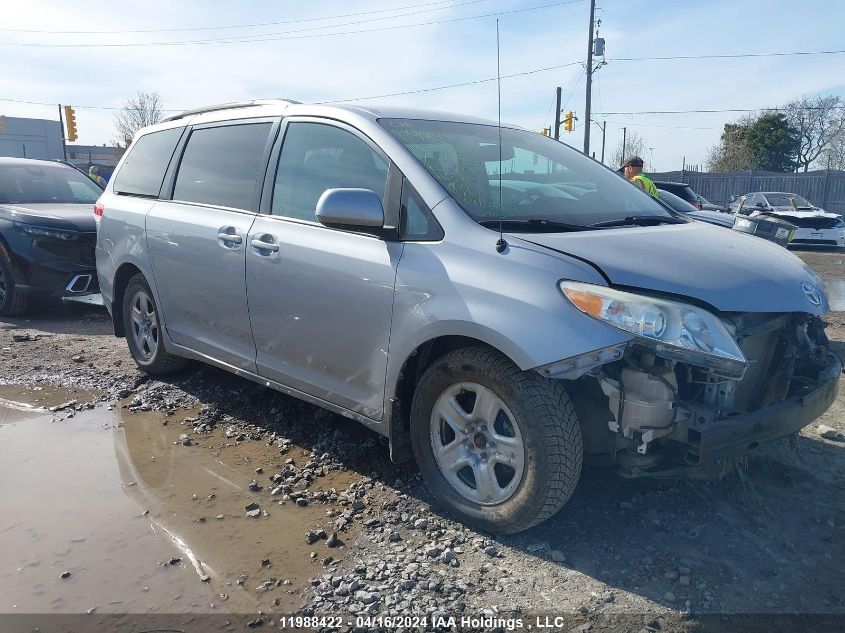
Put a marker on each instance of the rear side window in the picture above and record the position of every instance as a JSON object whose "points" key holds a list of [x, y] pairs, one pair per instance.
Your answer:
{"points": [[143, 170], [316, 157], [220, 165]]}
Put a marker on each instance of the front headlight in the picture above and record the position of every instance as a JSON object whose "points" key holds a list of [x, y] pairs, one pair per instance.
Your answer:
{"points": [[675, 330], [41, 231]]}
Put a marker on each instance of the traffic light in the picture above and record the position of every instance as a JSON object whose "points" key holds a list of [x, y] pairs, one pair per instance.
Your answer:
{"points": [[568, 121], [70, 122], [545, 131]]}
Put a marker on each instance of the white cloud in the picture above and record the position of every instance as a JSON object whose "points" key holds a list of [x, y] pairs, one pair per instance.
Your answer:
{"points": [[406, 59]]}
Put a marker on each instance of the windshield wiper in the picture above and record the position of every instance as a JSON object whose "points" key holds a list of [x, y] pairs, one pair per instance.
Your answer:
{"points": [[534, 224], [640, 220]]}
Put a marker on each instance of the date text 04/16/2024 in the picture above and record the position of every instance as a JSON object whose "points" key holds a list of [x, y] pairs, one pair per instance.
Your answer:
{"points": [[410, 621]]}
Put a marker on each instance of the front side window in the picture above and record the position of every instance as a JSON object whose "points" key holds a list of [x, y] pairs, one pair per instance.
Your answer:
{"points": [[37, 182], [416, 223], [143, 170], [541, 179], [220, 165], [316, 157]]}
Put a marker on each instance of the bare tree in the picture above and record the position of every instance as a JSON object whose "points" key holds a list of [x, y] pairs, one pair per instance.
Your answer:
{"points": [[819, 121], [635, 145], [834, 155], [142, 110]]}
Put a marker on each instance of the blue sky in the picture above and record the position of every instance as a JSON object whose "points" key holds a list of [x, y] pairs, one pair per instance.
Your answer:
{"points": [[388, 61]]}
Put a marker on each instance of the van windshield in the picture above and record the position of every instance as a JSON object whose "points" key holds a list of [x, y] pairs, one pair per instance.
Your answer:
{"points": [[542, 180]]}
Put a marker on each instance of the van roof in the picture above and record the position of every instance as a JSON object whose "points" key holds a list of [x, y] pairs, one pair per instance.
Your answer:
{"points": [[277, 107]]}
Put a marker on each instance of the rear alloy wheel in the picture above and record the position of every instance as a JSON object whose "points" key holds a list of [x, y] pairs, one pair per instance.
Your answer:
{"points": [[499, 447], [12, 303], [142, 323], [145, 331]]}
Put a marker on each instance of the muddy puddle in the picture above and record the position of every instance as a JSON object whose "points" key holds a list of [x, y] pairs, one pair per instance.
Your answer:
{"points": [[137, 522], [23, 401]]}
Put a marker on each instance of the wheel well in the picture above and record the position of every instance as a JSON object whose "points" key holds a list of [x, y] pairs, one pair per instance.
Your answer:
{"points": [[121, 280], [415, 365]]}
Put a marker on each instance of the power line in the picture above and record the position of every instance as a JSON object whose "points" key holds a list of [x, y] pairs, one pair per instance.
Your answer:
{"points": [[725, 56], [458, 85], [272, 37], [783, 109], [245, 26], [366, 98]]}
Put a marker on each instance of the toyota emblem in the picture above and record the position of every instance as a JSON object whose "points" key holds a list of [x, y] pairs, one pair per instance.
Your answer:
{"points": [[812, 293]]}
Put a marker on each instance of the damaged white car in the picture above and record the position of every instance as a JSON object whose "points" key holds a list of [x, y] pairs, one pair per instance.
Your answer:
{"points": [[813, 226]]}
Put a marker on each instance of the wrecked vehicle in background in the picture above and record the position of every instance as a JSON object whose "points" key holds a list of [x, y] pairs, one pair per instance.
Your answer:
{"points": [[494, 302], [813, 226]]}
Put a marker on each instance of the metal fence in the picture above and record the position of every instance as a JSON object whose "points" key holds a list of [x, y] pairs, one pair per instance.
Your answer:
{"points": [[825, 188]]}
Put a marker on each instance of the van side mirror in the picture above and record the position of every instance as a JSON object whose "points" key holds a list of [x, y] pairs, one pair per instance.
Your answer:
{"points": [[355, 209]]}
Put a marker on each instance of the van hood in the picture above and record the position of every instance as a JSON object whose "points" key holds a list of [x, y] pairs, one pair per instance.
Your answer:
{"points": [[731, 271], [70, 217], [712, 217]]}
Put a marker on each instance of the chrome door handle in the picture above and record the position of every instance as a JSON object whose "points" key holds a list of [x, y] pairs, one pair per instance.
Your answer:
{"points": [[261, 245], [228, 237]]}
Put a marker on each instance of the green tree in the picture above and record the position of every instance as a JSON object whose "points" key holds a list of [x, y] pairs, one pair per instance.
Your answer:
{"points": [[773, 143], [761, 141]]}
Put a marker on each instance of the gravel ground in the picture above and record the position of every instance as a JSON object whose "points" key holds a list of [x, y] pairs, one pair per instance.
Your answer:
{"points": [[661, 554]]}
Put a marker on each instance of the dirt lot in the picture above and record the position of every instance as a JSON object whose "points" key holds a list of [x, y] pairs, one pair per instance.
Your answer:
{"points": [[205, 493]]}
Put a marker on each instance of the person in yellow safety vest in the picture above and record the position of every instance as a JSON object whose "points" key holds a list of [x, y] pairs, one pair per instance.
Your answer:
{"points": [[94, 174], [633, 170]]}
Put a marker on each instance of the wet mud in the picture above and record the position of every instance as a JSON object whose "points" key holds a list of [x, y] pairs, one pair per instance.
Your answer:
{"points": [[110, 511]]}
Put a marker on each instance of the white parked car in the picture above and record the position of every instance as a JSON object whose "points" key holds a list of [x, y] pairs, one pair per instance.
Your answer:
{"points": [[814, 226]]}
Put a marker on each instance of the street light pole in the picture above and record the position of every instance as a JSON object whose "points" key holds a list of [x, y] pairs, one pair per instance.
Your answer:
{"points": [[557, 113], [603, 136]]}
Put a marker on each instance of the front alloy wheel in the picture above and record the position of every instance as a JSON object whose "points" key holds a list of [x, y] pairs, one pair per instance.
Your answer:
{"points": [[476, 443], [498, 447]]}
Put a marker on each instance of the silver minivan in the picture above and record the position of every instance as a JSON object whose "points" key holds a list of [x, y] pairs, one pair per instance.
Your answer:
{"points": [[497, 304]]}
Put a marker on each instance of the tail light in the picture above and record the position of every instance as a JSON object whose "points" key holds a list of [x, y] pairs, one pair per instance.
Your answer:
{"points": [[98, 211]]}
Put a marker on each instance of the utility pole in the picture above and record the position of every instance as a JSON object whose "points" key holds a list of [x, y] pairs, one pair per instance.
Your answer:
{"points": [[557, 113], [62, 125], [587, 108], [624, 132]]}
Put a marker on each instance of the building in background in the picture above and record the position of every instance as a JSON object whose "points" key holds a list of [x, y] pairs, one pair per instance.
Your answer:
{"points": [[30, 138], [42, 139], [104, 157]]}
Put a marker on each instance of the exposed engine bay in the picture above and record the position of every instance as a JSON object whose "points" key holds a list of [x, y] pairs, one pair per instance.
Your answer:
{"points": [[670, 417]]}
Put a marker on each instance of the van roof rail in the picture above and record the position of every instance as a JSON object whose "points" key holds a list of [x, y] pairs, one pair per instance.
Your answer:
{"points": [[228, 106]]}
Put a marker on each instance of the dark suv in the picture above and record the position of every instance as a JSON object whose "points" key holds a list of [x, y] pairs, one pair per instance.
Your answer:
{"points": [[47, 232], [680, 189]]}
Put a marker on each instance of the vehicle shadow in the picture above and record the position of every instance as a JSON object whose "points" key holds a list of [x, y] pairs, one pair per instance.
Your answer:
{"points": [[57, 317], [766, 538]]}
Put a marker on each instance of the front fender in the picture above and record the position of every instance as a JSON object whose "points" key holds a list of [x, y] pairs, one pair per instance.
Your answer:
{"points": [[510, 301]]}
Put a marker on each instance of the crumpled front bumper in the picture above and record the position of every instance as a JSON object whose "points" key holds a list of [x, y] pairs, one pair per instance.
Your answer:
{"points": [[741, 434]]}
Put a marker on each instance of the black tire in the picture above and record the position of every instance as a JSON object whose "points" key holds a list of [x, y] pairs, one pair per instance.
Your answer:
{"points": [[155, 359], [546, 420], [12, 303]]}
